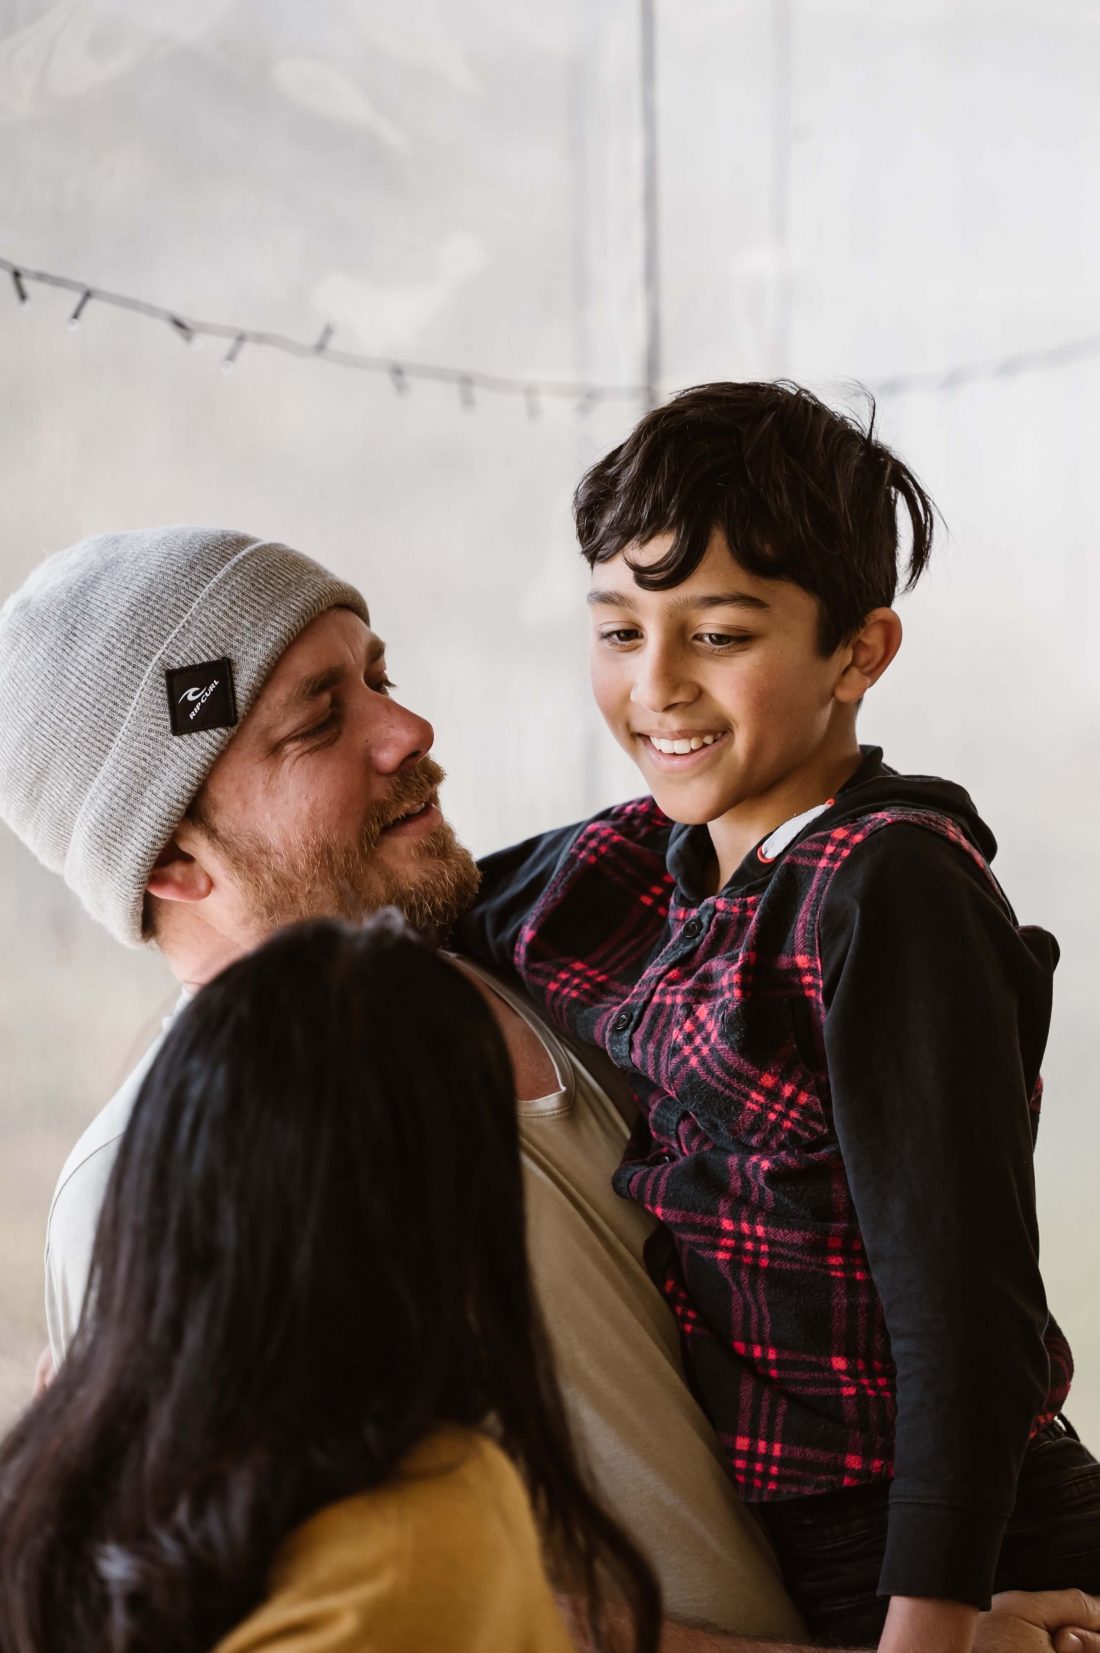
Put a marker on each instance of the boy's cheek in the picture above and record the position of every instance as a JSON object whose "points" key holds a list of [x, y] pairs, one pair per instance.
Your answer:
{"points": [[612, 696]]}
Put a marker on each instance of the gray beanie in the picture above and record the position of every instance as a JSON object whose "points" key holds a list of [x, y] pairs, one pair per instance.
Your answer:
{"points": [[126, 664]]}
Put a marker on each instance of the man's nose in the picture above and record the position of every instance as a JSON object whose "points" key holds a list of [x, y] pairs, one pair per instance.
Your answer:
{"points": [[398, 738]]}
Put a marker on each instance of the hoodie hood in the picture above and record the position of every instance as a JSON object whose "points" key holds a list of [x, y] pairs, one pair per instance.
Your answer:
{"points": [[874, 786]]}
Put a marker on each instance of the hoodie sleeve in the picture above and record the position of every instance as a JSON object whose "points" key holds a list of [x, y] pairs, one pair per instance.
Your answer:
{"points": [[936, 1015], [512, 880]]}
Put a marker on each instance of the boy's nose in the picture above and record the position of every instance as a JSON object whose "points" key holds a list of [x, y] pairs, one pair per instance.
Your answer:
{"points": [[660, 684]]}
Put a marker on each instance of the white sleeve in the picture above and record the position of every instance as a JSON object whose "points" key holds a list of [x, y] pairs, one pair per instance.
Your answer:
{"points": [[70, 1233], [74, 1213]]}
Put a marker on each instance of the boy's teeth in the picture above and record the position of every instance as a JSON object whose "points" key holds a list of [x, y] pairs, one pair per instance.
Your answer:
{"points": [[682, 746]]}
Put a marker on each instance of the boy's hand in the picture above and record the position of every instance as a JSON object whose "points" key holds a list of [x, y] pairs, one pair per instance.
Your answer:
{"points": [[1023, 1621]]}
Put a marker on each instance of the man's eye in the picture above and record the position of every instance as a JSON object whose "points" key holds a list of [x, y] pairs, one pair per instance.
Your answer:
{"points": [[319, 729], [383, 684]]}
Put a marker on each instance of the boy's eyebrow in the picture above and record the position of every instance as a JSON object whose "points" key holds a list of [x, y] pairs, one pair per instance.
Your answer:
{"points": [[717, 599]]}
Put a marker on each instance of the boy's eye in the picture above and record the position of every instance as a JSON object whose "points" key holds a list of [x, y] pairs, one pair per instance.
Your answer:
{"points": [[724, 639], [619, 634]]}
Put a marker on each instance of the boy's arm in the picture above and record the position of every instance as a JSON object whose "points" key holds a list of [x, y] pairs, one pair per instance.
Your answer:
{"points": [[935, 1009], [512, 880]]}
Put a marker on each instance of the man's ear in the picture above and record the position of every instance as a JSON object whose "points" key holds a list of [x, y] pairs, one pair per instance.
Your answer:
{"points": [[870, 651], [178, 876]]}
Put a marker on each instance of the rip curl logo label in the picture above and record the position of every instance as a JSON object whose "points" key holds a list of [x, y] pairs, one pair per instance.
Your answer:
{"points": [[201, 697]]}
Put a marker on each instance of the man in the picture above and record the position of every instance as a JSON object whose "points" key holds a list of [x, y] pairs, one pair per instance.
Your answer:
{"points": [[199, 734]]}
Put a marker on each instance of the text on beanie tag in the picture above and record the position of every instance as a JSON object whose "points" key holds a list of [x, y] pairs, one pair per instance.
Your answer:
{"points": [[201, 697]]}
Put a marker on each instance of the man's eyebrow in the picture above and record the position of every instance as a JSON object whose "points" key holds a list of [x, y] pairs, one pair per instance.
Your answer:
{"points": [[311, 688], [716, 599], [321, 683]]}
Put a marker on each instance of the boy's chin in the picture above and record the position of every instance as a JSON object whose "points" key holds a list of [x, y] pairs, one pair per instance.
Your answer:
{"points": [[686, 805]]}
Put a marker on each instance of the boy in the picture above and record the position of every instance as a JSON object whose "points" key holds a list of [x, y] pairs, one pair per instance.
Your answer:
{"points": [[834, 1022]]}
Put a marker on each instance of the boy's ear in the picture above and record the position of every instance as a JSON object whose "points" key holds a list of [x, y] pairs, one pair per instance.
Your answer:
{"points": [[177, 876], [869, 653]]}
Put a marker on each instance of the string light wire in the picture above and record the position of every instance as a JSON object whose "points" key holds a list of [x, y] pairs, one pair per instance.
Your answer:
{"points": [[467, 381]]}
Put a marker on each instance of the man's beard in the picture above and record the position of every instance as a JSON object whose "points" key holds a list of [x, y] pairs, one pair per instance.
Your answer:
{"points": [[314, 877]]}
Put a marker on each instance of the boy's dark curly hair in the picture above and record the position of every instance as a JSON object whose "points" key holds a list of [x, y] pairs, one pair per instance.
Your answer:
{"points": [[801, 493]]}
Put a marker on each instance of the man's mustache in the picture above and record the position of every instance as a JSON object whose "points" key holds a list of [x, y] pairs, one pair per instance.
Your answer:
{"points": [[409, 791]]}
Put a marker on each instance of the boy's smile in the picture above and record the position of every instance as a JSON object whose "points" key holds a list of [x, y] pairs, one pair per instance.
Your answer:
{"points": [[719, 692], [677, 750]]}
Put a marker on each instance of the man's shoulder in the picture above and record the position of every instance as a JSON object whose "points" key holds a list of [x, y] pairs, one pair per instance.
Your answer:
{"points": [[74, 1210], [85, 1172]]}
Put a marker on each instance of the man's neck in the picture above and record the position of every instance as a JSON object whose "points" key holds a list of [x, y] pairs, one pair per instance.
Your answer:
{"points": [[196, 953]]}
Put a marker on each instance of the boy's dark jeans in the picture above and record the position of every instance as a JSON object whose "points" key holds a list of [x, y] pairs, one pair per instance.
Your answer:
{"points": [[831, 1547]]}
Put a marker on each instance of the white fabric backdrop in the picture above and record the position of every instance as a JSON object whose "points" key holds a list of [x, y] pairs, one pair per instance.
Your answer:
{"points": [[848, 190]]}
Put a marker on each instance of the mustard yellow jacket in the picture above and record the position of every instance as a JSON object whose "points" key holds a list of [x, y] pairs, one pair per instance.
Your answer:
{"points": [[443, 1559]]}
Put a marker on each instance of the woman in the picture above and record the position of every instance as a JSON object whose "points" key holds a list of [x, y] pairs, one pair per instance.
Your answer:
{"points": [[310, 1318]]}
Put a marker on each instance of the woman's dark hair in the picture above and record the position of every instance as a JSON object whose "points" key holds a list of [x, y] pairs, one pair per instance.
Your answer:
{"points": [[311, 1253], [801, 493]]}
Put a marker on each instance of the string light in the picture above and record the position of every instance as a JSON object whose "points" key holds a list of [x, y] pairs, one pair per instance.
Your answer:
{"points": [[400, 374], [998, 367], [584, 397], [232, 353]]}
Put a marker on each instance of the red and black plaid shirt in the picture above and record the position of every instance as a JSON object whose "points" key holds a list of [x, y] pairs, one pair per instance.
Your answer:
{"points": [[837, 1066]]}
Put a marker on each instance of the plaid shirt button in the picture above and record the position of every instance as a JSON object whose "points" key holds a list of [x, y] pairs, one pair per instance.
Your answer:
{"points": [[622, 1021], [693, 928]]}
